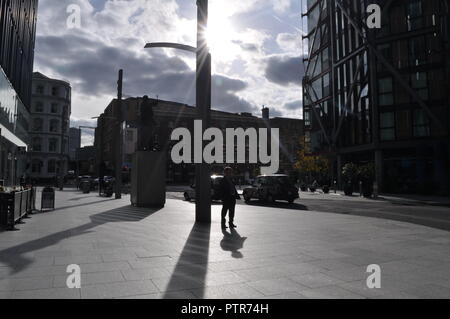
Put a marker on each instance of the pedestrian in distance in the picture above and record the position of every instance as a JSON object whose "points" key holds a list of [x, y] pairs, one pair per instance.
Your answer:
{"points": [[229, 196]]}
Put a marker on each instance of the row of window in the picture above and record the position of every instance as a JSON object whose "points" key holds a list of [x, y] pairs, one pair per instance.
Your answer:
{"points": [[54, 91], [53, 144], [398, 125], [409, 18], [418, 82], [53, 125], [37, 166], [411, 52], [39, 107]]}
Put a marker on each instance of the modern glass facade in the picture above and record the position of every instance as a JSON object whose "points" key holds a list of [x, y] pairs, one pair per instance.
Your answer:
{"points": [[8, 102], [17, 39], [14, 123], [380, 95]]}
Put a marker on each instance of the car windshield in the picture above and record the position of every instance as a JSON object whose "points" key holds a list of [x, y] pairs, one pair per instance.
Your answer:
{"points": [[283, 180]]}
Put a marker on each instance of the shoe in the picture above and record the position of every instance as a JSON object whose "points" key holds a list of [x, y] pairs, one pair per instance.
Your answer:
{"points": [[224, 226], [232, 225]]}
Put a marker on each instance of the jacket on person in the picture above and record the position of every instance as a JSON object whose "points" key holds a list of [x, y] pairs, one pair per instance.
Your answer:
{"points": [[228, 191]]}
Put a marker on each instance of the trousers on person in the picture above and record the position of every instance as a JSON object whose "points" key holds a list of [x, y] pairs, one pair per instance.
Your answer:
{"points": [[228, 205]]}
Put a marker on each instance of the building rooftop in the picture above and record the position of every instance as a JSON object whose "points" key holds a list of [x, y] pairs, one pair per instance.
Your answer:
{"points": [[184, 109], [41, 76]]}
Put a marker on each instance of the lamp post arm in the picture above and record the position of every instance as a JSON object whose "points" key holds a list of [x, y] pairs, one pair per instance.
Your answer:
{"points": [[172, 46]]}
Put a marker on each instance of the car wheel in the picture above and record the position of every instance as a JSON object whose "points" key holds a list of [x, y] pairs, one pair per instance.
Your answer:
{"points": [[269, 198], [187, 197], [247, 198]]}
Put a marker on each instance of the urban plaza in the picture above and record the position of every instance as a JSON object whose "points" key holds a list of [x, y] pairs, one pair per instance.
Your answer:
{"points": [[224, 158]]}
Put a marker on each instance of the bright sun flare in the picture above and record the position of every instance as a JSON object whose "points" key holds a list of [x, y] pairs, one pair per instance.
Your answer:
{"points": [[221, 34]]}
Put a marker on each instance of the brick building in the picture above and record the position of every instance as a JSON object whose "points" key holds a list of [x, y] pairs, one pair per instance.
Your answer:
{"points": [[171, 115]]}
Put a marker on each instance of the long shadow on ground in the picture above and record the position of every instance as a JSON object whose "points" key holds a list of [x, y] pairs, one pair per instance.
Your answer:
{"points": [[192, 266], [15, 260], [282, 205]]}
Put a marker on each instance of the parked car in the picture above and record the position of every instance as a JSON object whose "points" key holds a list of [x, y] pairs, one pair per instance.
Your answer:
{"points": [[215, 189], [108, 186], [105, 180], [84, 178], [270, 188]]}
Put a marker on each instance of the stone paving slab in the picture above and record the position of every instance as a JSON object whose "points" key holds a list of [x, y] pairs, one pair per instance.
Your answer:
{"points": [[129, 252]]}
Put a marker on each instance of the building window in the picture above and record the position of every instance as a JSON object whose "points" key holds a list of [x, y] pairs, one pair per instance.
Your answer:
{"points": [[326, 85], [53, 128], [51, 166], [420, 84], [39, 107], [38, 125], [417, 51], [55, 91], [65, 145], [53, 145], [308, 118], [40, 89], [386, 52], [403, 124], [54, 108], [36, 166], [307, 142], [414, 15], [325, 59], [130, 136], [385, 89], [37, 144], [421, 124], [317, 89], [387, 126]]}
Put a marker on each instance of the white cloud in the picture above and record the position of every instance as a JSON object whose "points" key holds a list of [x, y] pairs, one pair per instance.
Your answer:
{"points": [[281, 6], [289, 42], [113, 37]]}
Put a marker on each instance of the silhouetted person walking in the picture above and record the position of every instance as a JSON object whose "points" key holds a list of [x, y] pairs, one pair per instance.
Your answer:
{"points": [[229, 195]]}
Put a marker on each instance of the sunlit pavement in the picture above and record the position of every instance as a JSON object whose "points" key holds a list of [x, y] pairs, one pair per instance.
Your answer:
{"points": [[276, 252]]}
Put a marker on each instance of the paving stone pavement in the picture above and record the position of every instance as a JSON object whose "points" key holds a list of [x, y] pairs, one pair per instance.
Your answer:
{"points": [[129, 252]]}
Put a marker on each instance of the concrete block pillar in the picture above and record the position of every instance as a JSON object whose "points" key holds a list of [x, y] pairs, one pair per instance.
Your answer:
{"points": [[148, 179]]}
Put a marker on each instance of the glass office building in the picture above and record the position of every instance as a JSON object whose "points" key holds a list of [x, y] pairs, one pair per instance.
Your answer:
{"points": [[17, 38], [380, 95]]}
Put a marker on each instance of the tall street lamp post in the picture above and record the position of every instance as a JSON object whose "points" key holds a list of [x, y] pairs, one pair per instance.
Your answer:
{"points": [[203, 82], [119, 139], [118, 119]]}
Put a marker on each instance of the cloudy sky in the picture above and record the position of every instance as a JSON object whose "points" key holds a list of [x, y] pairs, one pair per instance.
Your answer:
{"points": [[255, 46]]}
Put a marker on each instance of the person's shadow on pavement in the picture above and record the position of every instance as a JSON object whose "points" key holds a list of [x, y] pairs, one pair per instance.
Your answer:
{"points": [[232, 241]]}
